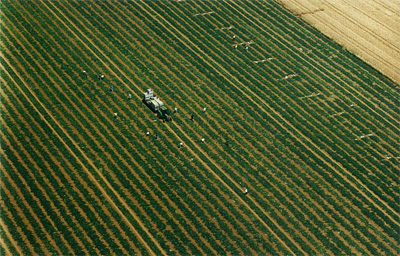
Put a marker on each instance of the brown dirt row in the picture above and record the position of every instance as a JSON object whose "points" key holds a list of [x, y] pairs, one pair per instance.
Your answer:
{"points": [[54, 160], [361, 26], [107, 197], [332, 159], [7, 233], [16, 203], [4, 248], [27, 242]]}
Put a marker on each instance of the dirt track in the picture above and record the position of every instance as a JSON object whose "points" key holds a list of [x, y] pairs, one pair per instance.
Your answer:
{"points": [[368, 28]]}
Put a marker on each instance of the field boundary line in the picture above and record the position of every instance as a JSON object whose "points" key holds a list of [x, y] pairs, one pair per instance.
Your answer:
{"points": [[9, 236], [83, 166], [244, 203], [277, 114]]}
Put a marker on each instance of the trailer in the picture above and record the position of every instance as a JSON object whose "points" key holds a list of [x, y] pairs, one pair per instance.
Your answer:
{"points": [[156, 105]]}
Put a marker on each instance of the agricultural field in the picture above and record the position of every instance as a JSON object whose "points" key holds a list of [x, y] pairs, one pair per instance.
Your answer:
{"points": [[306, 127]]}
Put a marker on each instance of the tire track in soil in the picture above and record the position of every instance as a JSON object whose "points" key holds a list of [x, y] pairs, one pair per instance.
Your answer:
{"points": [[371, 17], [58, 197], [369, 31], [89, 133], [107, 197], [349, 40], [86, 144], [97, 49], [272, 110], [4, 247], [289, 214], [5, 230]]}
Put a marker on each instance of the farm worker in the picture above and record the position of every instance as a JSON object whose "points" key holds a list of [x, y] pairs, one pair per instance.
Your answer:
{"points": [[234, 38], [192, 117], [147, 133], [227, 142], [176, 110], [84, 73], [236, 45], [180, 145], [202, 140], [111, 88], [115, 115], [130, 96], [204, 110], [156, 136], [247, 48], [102, 77], [246, 191], [99, 76]]}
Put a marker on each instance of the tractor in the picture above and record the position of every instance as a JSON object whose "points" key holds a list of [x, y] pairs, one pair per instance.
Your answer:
{"points": [[156, 105]]}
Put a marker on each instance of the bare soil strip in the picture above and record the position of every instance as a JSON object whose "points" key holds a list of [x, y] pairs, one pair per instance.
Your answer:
{"points": [[369, 28], [4, 229]]}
